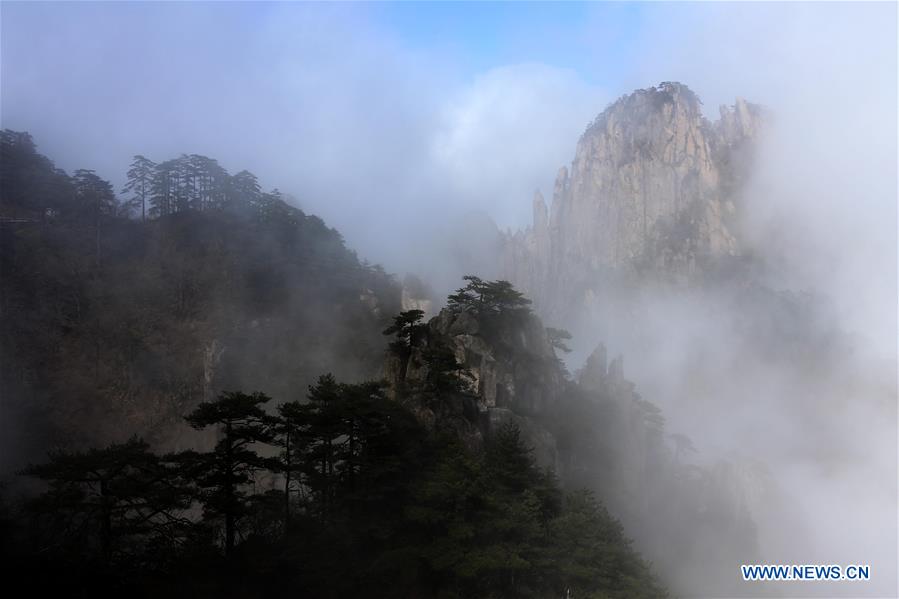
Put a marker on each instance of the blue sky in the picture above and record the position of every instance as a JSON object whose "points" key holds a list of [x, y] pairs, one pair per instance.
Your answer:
{"points": [[484, 35], [372, 110], [393, 121]]}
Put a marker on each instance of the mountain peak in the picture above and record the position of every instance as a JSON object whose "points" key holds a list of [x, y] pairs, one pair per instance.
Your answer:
{"points": [[653, 187], [668, 97]]}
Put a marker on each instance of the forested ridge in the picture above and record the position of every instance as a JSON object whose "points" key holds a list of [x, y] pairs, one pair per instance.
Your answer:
{"points": [[343, 495], [169, 349], [119, 314]]}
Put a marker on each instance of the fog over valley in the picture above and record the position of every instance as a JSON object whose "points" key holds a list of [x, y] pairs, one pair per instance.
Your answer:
{"points": [[449, 299]]}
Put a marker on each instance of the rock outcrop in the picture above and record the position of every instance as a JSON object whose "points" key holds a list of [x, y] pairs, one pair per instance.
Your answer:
{"points": [[508, 375], [593, 430], [654, 187], [416, 295]]}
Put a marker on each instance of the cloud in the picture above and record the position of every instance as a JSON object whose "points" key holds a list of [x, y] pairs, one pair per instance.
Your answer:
{"points": [[825, 200], [504, 136], [317, 101], [391, 144], [821, 209]]}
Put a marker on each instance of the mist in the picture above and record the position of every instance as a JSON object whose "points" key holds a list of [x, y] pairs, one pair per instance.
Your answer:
{"points": [[820, 209], [318, 101], [396, 143]]}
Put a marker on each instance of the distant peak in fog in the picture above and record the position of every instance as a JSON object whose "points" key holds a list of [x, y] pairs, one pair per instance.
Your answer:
{"points": [[653, 187]]}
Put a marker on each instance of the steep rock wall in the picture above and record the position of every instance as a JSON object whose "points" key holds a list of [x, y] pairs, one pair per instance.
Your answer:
{"points": [[653, 188]]}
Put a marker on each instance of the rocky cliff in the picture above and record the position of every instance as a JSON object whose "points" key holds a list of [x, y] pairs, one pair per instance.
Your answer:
{"points": [[593, 429], [507, 375], [654, 187], [112, 327]]}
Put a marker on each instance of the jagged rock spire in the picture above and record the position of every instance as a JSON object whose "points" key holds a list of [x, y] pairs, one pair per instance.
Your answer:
{"points": [[651, 188]]}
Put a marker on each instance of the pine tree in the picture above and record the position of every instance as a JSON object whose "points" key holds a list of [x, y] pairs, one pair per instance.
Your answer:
{"points": [[210, 182], [497, 305], [406, 328], [96, 199], [324, 432], [114, 500], [557, 338], [186, 189], [591, 555], [164, 189], [94, 195], [244, 191], [292, 435], [232, 464], [140, 182], [488, 298], [445, 375]]}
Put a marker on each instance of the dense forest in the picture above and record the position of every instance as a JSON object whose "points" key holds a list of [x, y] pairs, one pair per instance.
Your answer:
{"points": [[118, 314], [357, 499], [169, 350]]}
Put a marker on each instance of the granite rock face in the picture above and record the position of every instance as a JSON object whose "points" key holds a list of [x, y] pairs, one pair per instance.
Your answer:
{"points": [[511, 375], [592, 430], [416, 295], [653, 189]]}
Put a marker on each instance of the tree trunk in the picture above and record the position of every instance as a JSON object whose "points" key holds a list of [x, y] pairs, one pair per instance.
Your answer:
{"points": [[229, 493], [287, 466], [105, 524]]}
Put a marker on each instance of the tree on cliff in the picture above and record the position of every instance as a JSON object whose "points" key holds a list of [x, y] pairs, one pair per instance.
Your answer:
{"points": [[488, 298], [406, 327], [557, 338], [445, 376], [497, 305]]}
